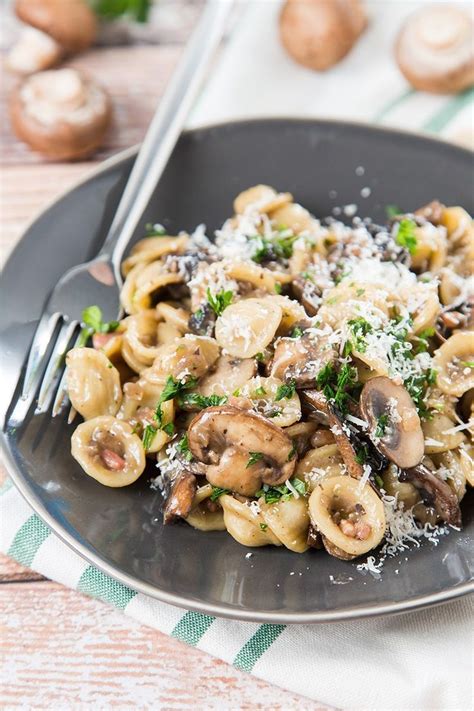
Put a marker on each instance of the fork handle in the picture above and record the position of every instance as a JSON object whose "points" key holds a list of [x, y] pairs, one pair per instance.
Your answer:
{"points": [[165, 128]]}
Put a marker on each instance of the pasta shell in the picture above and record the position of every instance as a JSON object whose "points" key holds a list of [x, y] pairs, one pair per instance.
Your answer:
{"points": [[404, 491], [453, 362], [227, 376], [245, 524], [248, 326], [294, 217], [201, 516], [263, 393], [143, 282], [152, 248], [340, 496], [289, 521], [188, 357], [93, 383], [319, 463], [259, 277], [436, 432], [260, 197], [108, 451]]}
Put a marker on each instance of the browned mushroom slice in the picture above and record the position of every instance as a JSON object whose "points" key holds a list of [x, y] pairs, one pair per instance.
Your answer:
{"points": [[314, 538], [335, 551], [308, 293], [318, 402], [241, 449], [435, 492], [394, 424], [180, 499], [301, 359]]}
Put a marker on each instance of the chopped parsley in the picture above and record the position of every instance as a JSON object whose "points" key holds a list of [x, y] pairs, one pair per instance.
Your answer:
{"points": [[137, 10], [417, 386], [382, 424], [280, 246], [263, 526], [92, 323], [201, 401], [362, 454], [218, 491], [297, 332], [272, 494], [406, 236], [259, 357], [338, 386], [183, 447], [254, 457], [285, 390], [170, 391], [220, 301], [292, 452], [358, 330], [278, 287], [467, 363], [392, 211], [169, 429], [260, 391], [422, 342], [154, 230]]}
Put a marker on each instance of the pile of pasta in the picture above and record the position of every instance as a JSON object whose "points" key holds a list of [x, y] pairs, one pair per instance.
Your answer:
{"points": [[297, 382]]}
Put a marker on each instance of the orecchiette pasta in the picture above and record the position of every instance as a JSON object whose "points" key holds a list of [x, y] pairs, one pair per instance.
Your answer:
{"points": [[298, 383]]}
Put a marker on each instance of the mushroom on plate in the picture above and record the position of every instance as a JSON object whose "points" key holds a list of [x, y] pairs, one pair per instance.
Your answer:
{"points": [[241, 449], [435, 49], [394, 424], [60, 113], [301, 359], [319, 33], [434, 492], [179, 502], [54, 28]]}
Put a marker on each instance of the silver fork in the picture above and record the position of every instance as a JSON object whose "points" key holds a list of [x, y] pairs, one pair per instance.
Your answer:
{"points": [[99, 281]]}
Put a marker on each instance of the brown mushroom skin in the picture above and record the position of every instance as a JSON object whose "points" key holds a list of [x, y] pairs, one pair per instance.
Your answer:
{"points": [[435, 492], [403, 442], [62, 140], [319, 33], [223, 438], [71, 23], [179, 502], [435, 49]]}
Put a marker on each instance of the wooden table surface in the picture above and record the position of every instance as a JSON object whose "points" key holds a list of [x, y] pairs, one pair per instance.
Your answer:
{"points": [[59, 648]]}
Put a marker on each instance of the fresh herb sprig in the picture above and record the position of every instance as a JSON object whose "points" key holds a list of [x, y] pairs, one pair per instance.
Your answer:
{"points": [[406, 235], [92, 323], [201, 401], [220, 301], [254, 457], [218, 491], [170, 391], [138, 10], [338, 386], [285, 391], [272, 494]]}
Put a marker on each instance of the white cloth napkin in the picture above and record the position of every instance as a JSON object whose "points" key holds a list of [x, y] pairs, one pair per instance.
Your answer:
{"points": [[419, 661]]}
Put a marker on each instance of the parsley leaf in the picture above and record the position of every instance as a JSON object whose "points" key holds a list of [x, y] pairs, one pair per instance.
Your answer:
{"points": [[260, 391], [406, 236], [201, 401], [170, 391], [338, 386], [218, 491], [183, 447], [358, 329], [272, 494], [285, 390], [148, 435], [92, 323], [296, 332], [362, 454], [382, 423], [467, 363], [154, 230], [112, 9], [392, 211], [220, 301], [253, 458], [263, 526]]}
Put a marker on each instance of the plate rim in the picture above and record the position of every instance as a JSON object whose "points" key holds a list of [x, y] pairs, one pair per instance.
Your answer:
{"points": [[181, 601]]}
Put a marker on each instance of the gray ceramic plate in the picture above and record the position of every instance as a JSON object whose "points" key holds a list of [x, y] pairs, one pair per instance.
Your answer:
{"points": [[119, 530]]}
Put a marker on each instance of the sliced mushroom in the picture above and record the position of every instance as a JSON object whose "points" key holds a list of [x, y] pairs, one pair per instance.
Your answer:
{"points": [[435, 492], [60, 113], [308, 293], [108, 451], [350, 517], [394, 424], [317, 33], [435, 49], [228, 375], [318, 402], [301, 359], [241, 448], [179, 502]]}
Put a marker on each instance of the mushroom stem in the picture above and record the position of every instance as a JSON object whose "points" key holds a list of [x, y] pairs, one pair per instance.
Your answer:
{"points": [[435, 492]]}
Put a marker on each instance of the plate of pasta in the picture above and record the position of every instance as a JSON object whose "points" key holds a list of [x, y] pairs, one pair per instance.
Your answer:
{"points": [[278, 426]]}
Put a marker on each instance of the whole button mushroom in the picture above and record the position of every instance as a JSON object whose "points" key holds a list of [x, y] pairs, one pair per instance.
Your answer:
{"points": [[54, 28], [435, 49], [319, 33], [60, 113]]}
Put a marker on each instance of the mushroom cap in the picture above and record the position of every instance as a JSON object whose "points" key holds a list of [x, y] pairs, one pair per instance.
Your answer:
{"points": [[319, 33], [403, 441], [34, 51], [60, 113], [224, 438], [436, 492], [435, 49], [72, 24]]}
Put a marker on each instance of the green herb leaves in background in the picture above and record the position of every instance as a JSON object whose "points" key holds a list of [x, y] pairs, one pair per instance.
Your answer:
{"points": [[92, 323], [137, 10]]}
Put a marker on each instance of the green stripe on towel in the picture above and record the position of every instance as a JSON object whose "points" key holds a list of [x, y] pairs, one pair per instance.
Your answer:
{"points": [[449, 111], [192, 627], [257, 646], [96, 584], [28, 539]]}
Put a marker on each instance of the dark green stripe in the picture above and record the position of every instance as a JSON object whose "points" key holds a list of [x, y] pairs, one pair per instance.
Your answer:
{"points": [[96, 584], [392, 105], [257, 646], [191, 627], [28, 539], [445, 115]]}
